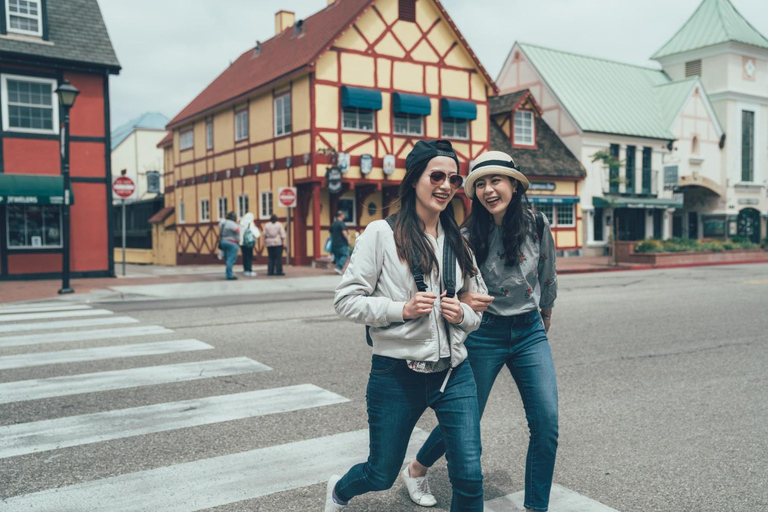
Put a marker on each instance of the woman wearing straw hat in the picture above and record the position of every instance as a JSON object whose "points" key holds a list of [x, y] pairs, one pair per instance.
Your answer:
{"points": [[516, 255]]}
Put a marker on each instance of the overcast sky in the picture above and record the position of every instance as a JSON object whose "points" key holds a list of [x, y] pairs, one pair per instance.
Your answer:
{"points": [[170, 50]]}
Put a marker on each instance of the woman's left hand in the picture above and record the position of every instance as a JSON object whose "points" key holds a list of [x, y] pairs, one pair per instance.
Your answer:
{"points": [[546, 318], [452, 310]]}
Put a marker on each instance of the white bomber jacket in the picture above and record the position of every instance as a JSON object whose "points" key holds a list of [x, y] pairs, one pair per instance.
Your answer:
{"points": [[376, 287]]}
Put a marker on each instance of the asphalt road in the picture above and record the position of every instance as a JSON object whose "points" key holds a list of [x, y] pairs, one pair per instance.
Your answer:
{"points": [[661, 375]]}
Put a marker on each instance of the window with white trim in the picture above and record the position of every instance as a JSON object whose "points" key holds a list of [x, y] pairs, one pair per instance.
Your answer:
{"points": [[558, 215], [266, 207], [242, 205], [205, 210], [33, 226], [209, 135], [362, 119], [547, 210], [283, 115], [241, 125], [182, 214], [30, 104], [455, 128], [187, 140], [524, 128], [409, 124], [222, 210], [24, 17], [349, 207]]}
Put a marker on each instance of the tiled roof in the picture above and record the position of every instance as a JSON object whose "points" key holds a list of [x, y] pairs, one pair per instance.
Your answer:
{"points": [[147, 121], [713, 22], [504, 103], [601, 95], [77, 32], [161, 215], [167, 140]]}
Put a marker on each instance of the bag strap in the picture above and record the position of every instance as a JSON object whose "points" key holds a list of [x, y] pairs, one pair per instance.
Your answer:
{"points": [[539, 225]]}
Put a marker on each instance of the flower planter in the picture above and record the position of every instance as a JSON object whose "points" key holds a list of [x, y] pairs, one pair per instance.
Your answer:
{"points": [[625, 253]]}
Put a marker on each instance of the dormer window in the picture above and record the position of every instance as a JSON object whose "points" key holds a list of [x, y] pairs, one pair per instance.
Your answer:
{"points": [[524, 131], [24, 17]]}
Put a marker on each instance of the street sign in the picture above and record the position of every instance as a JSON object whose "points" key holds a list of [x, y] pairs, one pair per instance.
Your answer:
{"points": [[286, 196], [123, 187]]}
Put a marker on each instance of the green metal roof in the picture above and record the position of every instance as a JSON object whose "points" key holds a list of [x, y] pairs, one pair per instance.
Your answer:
{"points": [[602, 95], [671, 96], [636, 202], [714, 22]]}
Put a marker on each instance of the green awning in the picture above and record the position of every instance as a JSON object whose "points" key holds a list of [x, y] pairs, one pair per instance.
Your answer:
{"points": [[369, 99], [411, 104], [636, 202], [32, 189], [541, 199], [458, 109]]}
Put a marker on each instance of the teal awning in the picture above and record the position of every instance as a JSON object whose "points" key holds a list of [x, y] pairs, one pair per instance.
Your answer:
{"points": [[636, 202], [32, 189], [369, 99], [553, 199], [458, 109], [411, 104]]}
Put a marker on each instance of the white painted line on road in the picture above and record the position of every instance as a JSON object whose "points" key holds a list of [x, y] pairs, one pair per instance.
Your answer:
{"points": [[560, 500], [36, 389], [20, 317], [40, 308], [96, 334], [100, 353], [212, 482], [58, 433], [67, 324]]}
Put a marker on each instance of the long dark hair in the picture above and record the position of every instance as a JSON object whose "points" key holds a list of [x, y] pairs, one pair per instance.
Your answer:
{"points": [[410, 237], [516, 226]]}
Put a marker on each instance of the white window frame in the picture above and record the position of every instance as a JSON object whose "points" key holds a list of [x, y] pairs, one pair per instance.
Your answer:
{"points": [[356, 111], [27, 247], [454, 122], [283, 115], [221, 202], [354, 209], [5, 105], [573, 215], [243, 205], [205, 210], [526, 118], [186, 140], [209, 134], [266, 205], [38, 18], [409, 119], [182, 213], [241, 125]]}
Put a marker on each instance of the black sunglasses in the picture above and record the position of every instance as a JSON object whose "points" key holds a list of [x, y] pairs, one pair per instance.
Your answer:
{"points": [[438, 177]]}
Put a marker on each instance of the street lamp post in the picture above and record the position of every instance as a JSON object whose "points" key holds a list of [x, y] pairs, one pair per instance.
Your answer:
{"points": [[67, 94]]}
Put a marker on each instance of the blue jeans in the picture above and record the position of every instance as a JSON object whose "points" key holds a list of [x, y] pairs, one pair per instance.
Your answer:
{"points": [[341, 255], [231, 250], [520, 343], [397, 397]]}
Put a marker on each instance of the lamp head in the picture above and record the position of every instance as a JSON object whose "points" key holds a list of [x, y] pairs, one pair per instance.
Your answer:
{"points": [[67, 93]]}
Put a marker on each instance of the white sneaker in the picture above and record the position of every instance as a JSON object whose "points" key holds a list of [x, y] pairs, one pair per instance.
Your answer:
{"points": [[338, 271], [418, 489], [330, 505]]}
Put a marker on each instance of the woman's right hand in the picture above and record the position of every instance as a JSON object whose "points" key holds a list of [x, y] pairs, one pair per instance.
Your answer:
{"points": [[479, 302], [421, 304]]}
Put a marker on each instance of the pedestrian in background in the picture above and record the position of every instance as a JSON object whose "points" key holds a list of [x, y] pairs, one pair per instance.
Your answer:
{"points": [[516, 254], [248, 235], [340, 242], [229, 239], [274, 239]]}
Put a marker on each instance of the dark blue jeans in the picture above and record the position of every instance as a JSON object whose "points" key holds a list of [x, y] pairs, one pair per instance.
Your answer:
{"points": [[231, 250], [341, 255], [397, 397], [520, 343]]}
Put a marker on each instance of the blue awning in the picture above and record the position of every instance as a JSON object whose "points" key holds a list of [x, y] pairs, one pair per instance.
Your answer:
{"points": [[553, 199], [458, 109], [411, 104], [369, 99]]}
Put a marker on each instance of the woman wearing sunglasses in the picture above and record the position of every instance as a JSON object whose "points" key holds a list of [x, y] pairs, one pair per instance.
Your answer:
{"points": [[518, 266], [418, 336]]}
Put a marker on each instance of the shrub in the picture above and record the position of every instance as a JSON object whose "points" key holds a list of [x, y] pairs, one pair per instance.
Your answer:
{"points": [[649, 246]]}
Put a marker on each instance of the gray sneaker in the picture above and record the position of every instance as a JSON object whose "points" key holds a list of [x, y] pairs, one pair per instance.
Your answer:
{"points": [[338, 270], [330, 505], [418, 489]]}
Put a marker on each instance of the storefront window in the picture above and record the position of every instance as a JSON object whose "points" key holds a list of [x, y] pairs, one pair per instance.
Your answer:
{"points": [[34, 226]]}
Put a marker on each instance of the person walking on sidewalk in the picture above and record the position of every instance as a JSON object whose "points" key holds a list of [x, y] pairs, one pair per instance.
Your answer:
{"points": [[248, 235], [229, 238], [274, 239], [417, 336], [516, 254], [340, 242]]}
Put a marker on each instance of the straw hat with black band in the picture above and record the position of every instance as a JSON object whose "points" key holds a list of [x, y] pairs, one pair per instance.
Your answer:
{"points": [[493, 163]]}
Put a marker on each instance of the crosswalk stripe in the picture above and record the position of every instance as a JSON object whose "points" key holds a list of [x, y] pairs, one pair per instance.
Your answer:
{"points": [[100, 353], [37, 309], [67, 324], [20, 317], [96, 334], [560, 500], [212, 482], [58, 433], [36, 389]]}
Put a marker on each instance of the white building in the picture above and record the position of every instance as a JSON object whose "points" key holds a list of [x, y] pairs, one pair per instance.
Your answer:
{"points": [[135, 151]]}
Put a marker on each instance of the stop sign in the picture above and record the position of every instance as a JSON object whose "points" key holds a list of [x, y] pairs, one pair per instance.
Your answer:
{"points": [[123, 187], [286, 196]]}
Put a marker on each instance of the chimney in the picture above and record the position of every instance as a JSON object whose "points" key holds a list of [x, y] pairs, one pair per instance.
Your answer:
{"points": [[283, 20]]}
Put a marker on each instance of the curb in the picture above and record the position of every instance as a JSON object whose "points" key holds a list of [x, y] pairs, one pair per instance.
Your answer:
{"points": [[657, 267]]}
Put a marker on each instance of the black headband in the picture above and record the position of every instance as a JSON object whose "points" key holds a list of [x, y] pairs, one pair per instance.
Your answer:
{"points": [[500, 163]]}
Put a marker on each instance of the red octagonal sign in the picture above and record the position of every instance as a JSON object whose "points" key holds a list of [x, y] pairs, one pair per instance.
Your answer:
{"points": [[286, 196], [123, 187]]}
